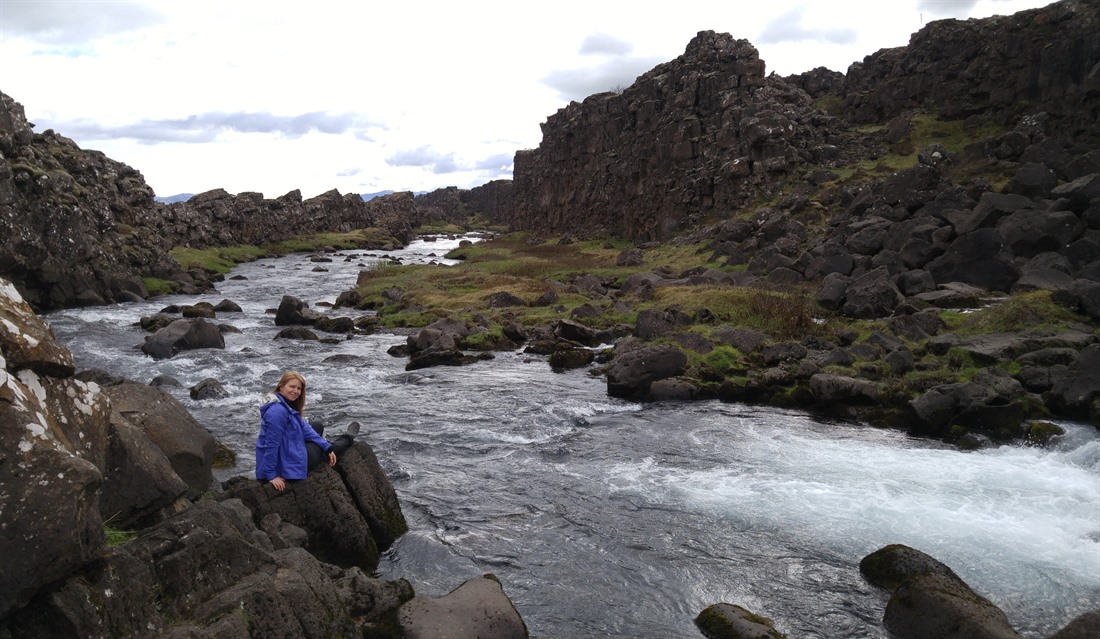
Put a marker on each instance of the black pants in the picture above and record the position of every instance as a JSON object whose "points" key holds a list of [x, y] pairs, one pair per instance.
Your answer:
{"points": [[314, 453]]}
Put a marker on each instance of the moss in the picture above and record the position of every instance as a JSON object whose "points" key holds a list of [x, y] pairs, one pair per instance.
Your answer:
{"points": [[157, 286], [116, 536], [1019, 312], [224, 457], [1041, 433], [723, 360]]}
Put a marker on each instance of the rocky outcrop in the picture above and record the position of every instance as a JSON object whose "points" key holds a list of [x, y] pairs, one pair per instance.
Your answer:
{"points": [[1041, 60], [491, 201], [708, 131], [341, 518], [82, 229]]}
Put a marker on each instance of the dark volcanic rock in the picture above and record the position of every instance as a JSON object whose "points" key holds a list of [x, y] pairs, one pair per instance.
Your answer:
{"points": [[183, 334], [704, 131]]}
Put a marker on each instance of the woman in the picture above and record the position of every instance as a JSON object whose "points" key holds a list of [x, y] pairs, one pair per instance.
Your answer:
{"points": [[285, 435]]}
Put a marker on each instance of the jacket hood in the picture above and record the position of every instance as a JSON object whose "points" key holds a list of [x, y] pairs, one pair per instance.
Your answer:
{"points": [[270, 400]]}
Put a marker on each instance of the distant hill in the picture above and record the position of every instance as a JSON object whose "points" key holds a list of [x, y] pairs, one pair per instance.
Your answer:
{"points": [[367, 197], [171, 199]]}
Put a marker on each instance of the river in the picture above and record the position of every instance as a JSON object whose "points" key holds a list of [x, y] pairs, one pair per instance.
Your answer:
{"points": [[606, 518]]}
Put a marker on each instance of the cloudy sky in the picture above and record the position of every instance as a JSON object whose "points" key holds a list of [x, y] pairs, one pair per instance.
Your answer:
{"points": [[362, 97]]}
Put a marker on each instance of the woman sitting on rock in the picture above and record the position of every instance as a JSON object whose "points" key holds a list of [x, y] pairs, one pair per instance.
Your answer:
{"points": [[288, 447]]}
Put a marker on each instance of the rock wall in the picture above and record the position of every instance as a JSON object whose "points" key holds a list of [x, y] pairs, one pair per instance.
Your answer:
{"points": [[706, 132], [1041, 60], [82, 229], [493, 200]]}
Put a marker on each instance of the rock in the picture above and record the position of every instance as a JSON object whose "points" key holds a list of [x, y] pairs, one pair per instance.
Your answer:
{"points": [[141, 482], [335, 324], [673, 389], [321, 505], [1084, 626], [294, 311], [892, 565], [837, 389], [188, 446], [297, 332], [477, 609], [373, 494], [199, 310], [652, 323], [183, 334], [438, 357], [872, 295], [568, 358], [929, 600], [980, 258], [227, 306], [575, 332], [727, 621], [935, 606], [50, 500], [745, 340], [504, 299], [991, 403], [630, 374], [28, 341], [208, 388]]}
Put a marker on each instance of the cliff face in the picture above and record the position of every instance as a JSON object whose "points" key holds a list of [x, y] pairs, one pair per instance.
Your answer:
{"points": [[705, 132], [1041, 60], [60, 214], [708, 133], [492, 200], [81, 229]]}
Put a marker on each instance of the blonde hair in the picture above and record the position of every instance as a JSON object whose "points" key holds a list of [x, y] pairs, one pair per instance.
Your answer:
{"points": [[300, 403]]}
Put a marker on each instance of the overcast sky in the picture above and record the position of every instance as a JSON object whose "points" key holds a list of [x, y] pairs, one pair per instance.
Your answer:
{"points": [[362, 97]]}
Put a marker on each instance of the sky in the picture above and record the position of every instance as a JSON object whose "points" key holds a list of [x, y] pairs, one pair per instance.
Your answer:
{"points": [[364, 97]]}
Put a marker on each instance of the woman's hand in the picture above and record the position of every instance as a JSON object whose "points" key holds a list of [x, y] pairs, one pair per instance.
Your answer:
{"points": [[331, 459], [279, 483]]}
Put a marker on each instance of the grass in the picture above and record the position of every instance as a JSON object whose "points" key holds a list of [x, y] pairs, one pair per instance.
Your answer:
{"points": [[1022, 311]]}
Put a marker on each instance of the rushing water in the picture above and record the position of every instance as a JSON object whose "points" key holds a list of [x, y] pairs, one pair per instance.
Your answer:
{"points": [[605, 518]]}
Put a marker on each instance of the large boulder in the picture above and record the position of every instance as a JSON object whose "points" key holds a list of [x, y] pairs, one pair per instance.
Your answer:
{"points": [[210, 573], [183, 334], [293, 311], [141, 482], [188, 446], [872, 295], [477, 609], [981, 258], [929, 600], [632, 372], [349, 513], [53, 434], [992, 403]]}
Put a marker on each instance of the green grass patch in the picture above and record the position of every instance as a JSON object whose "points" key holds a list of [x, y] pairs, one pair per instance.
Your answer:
{"points": [[219, 259], [1022, 311], [157, 286]]}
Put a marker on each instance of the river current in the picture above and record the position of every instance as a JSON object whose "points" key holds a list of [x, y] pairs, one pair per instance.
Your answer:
{"points": [[606, 518]]}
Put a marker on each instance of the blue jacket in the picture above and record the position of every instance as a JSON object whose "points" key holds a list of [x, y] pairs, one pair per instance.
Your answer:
{"points": [[281, 446]]}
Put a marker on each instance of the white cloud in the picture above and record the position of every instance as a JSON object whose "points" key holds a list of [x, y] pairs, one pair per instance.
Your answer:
{"points": [[601, 43], [791, 27]]}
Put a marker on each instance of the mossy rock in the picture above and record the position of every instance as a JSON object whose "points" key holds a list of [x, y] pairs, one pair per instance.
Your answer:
{"points": [[224, 457], [1041, 433], [727, 621]]}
